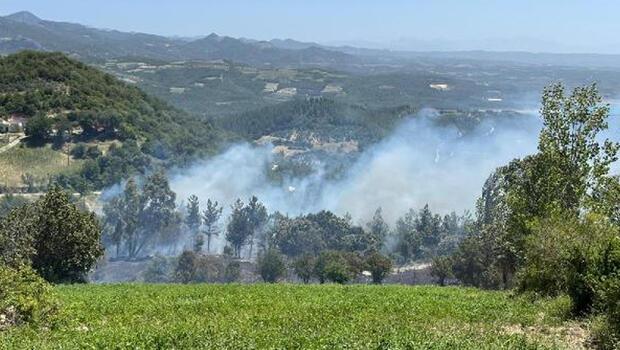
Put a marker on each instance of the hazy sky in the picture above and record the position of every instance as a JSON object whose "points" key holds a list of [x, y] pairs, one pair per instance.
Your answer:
{"points": [[535, 25]]}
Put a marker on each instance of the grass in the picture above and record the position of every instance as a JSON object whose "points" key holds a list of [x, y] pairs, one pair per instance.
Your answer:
{"points": [[40, 162], [293, 317]]}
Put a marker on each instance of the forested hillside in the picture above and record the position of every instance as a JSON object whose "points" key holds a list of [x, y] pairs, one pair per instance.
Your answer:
{"points": [[69, 105]]}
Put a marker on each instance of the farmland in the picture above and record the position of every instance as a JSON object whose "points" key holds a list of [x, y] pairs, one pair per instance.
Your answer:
{"points": [[294, 316]]}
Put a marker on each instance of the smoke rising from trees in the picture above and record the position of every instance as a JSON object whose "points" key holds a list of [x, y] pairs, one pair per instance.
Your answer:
{"points": [[421, 162]]}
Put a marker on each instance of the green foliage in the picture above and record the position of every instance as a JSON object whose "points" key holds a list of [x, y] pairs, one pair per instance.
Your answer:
{"points": [[210, 218], [244, 223], [337, 266], [378, 229], [67, 241], [39, 128], [232, 271], [314, 233], [567, 177], [159, 270], [271, 266], [54, 91], [441, 268], [52, 235], [192, 218], [186, 267], [304, 267], [9, 202], [138, 217], [379, 266], [238, 229], [24, 298], [473, 263], [424, 235], [201, 316], [580, 257], [17, 236]]}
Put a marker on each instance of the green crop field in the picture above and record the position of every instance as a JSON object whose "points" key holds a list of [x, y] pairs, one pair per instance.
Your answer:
{"points": [[296, 317]]}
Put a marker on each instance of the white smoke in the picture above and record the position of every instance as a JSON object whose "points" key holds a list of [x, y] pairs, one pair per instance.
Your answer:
{"points": [[420, 163]]}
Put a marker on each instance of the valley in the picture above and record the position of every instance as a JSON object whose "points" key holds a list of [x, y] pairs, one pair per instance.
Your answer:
{"points": [[209, 191]]}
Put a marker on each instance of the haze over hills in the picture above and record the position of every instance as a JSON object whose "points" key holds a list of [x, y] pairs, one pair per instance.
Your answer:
{"points": [[312, 103], [24, 30]]}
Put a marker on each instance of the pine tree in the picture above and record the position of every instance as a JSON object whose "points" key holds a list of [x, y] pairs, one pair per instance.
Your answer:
{"points": [[210, 218]]}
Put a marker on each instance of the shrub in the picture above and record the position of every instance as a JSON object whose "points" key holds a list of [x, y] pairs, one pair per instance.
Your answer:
{"points": [[17, 236], [159, 270], [93, 152], [271, 266], [67, 241], [79, 151], [332, 266], [580, 257], [379, 266], [232, 272], [607, 295], [548, 251], [24, 297], [441, 268], [186, 267], [304, 267]]}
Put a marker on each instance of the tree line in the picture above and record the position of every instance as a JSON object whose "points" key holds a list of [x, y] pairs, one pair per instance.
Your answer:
{"points": [[549, 223]]}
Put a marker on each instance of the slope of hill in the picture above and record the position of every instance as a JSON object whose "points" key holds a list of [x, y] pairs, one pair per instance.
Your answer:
{"points": [[74, 103], [24, 30]]}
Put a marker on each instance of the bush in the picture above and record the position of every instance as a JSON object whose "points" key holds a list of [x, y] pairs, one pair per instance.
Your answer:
{"points": [[607, 295], [93, 152], [53, 236], [441, 268], [547, 252], [24, 297], [335, 266], [79, 151], [67, 241], [580, 257], [232, 272], [159, 270], [271, 266], [304, 267], [186, 267], [17, 236], [379, 266]]}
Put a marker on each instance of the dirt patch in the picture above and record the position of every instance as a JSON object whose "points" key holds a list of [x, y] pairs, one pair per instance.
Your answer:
{"points": [[571, 335]]}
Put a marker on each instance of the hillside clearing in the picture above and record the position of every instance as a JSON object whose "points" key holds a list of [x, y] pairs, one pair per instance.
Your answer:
{"points": [[41, 163], [295, 316]]}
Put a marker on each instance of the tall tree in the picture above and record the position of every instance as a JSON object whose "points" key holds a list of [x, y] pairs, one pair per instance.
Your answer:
{"points": [[378, 229], [131, 207], [159, 214], [257, 217], [569, 142], [238, 229], [428, 226], [210, 218], [409, 241], [193, 219]]}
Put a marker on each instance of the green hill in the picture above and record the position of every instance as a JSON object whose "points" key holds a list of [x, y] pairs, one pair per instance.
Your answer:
{"points": [[66, 103]]}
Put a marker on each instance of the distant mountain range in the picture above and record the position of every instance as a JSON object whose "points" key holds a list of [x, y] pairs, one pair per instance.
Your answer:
{"points": [[23, 30]]}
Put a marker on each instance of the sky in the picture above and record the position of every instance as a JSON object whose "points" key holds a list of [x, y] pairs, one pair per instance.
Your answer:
{"points": [[524, 25]]}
